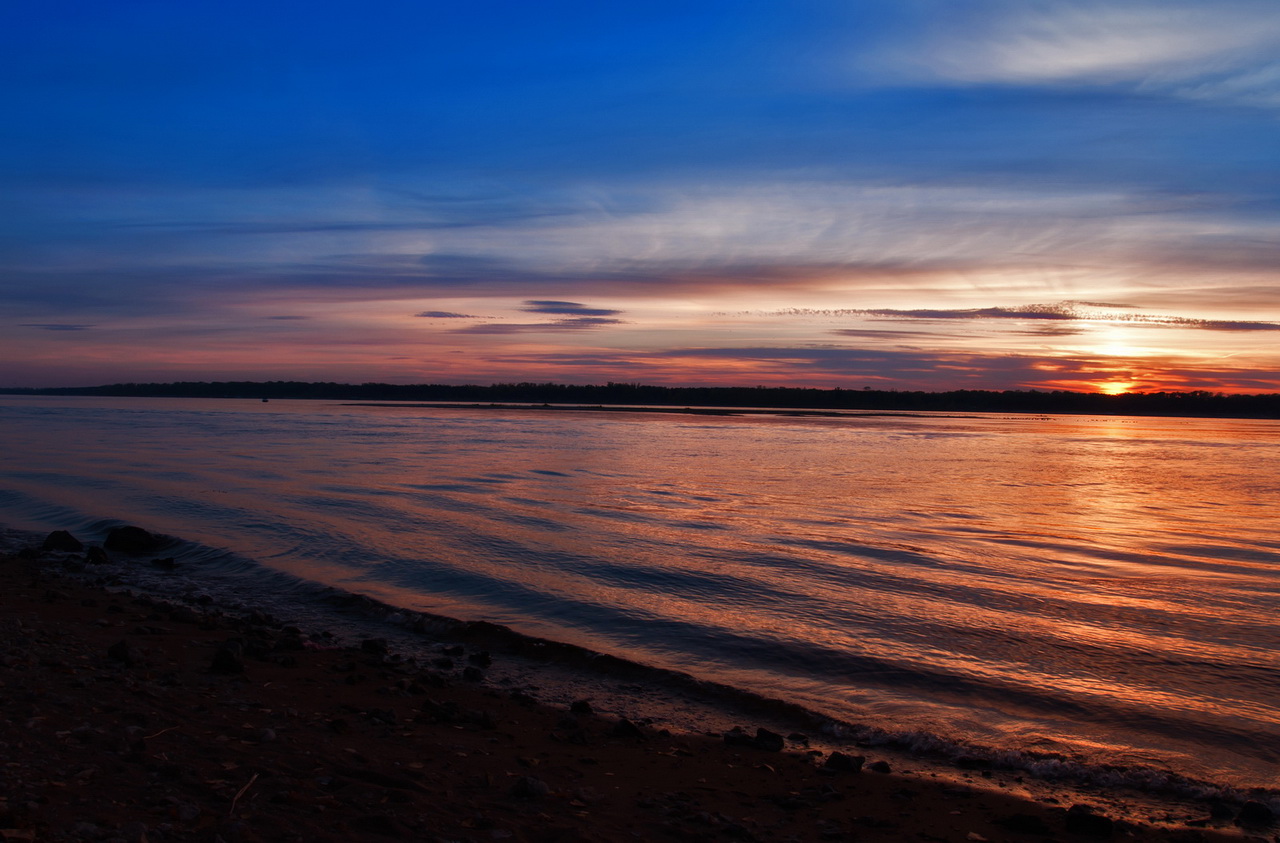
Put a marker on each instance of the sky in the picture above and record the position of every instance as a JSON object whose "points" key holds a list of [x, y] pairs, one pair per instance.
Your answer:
{"points": [[907, 194]]}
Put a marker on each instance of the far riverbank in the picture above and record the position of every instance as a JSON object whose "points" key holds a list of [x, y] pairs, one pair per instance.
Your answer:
{"points": [[1193, 404]]}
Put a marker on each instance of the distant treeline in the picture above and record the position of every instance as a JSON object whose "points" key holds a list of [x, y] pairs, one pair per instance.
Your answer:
{"points": [[1198, 403]]}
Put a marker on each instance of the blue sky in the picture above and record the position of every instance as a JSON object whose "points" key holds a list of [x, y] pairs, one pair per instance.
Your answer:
{"points": [[916, 194]]}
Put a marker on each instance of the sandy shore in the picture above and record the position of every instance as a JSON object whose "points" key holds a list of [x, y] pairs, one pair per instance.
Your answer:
{"points": [[128, 719]]}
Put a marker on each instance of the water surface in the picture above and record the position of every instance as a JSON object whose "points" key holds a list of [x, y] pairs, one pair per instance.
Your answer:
{"points": [[1100, 590]]}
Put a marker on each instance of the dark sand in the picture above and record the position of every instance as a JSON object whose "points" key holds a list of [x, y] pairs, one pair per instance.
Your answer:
{"points": [[116, 727]]}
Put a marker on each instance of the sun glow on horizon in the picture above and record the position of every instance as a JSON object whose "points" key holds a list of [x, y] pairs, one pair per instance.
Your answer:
{"points": [[1115, 387]]}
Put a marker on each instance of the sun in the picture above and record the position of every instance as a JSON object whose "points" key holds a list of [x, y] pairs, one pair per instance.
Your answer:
{"points": [[1116, 387]]}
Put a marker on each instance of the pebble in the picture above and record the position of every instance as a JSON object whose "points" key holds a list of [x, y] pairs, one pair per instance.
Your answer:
{"points": [[134, 832], [768, 741], [87, 831], [1025, 824], [838, 762], [61, 540], [125, 653], [131, 539], [1082, 820], [228, 658], [530, 788]]}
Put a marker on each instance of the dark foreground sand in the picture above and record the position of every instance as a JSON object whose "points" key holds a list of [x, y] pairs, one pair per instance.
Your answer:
{"points": [[125, 719]]}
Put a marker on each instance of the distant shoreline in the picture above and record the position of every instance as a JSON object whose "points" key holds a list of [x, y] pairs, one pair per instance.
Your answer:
{"points": [[788, 400], [618, 408]]}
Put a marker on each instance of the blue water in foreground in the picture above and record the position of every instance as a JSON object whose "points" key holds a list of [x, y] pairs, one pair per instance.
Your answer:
{"points": [[1077, 591]]}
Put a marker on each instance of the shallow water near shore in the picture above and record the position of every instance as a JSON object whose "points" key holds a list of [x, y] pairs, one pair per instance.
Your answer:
{"points": [[1064, 592]]}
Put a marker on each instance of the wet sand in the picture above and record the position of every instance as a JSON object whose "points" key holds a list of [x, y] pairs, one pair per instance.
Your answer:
{"points": [[126, 719]]}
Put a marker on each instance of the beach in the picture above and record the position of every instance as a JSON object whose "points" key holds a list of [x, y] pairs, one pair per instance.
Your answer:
{"points": [[131, 718]]}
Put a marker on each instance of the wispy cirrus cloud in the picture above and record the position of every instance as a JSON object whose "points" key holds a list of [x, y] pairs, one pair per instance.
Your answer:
{"points": [[1101, 40], [1223, 51], [577, 317], [56, 326], [880, 334], [566, 308], [696, 237], [1061, 311], [577, 323]]}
